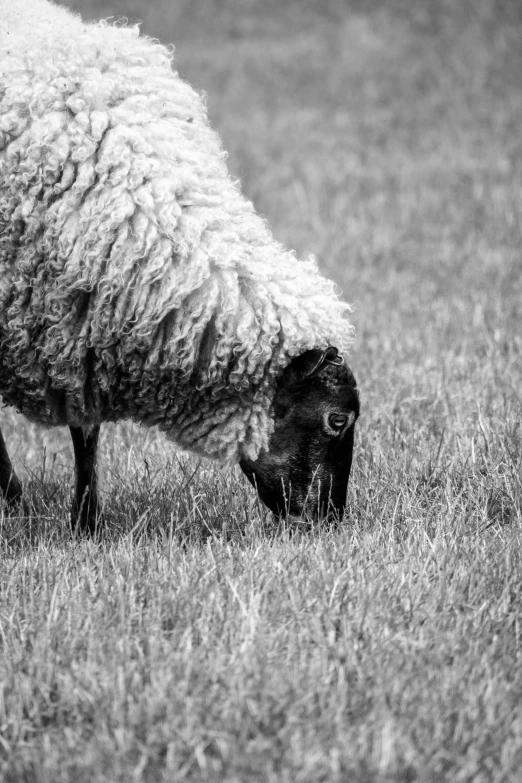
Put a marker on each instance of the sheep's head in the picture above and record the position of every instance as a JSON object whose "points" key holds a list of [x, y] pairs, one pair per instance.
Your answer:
{"points": [[308, 462]]}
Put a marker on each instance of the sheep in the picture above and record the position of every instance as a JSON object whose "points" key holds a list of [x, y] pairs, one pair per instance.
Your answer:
{"points": [[137, 282]]}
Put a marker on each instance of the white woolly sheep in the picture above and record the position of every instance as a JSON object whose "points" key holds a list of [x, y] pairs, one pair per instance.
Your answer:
{"points": [[137, 282]]}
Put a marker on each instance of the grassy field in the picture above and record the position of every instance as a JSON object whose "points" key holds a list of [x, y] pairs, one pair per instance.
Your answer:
{"points": [[200, 641]]}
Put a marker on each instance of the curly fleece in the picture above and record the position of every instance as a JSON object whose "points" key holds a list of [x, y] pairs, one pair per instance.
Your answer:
{"points": [[136, 281]]}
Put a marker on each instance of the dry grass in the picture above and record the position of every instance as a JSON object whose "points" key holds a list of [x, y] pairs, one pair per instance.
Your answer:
{"points": [[202, 641]]}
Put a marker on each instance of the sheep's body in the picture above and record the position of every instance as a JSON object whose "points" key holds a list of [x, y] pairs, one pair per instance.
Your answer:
{"points": [[135, 279]]}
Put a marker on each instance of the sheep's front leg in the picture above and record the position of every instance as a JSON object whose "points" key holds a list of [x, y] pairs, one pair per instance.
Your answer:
{"points": [[9, 483], [85, 504]]}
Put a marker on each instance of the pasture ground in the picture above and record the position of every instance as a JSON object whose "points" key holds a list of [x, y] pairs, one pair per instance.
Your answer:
{"points": [[200, 641]]}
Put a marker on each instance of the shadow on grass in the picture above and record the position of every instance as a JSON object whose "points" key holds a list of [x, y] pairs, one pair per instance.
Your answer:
{"points": [[186, 502], [182, 501]]}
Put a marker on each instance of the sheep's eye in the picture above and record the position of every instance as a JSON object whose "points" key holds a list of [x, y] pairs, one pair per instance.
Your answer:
{"points": [[337, 421]]}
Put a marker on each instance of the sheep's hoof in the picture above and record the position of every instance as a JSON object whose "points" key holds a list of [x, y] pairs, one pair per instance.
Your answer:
{"points": [[13, 496], [86, 521], [89, 527]]}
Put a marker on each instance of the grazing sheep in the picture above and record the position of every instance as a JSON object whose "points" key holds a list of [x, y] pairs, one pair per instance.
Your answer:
{"points": [[137, 282]]}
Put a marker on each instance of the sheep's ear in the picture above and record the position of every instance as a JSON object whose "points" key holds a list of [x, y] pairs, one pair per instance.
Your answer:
{"points": [[310, 363]]}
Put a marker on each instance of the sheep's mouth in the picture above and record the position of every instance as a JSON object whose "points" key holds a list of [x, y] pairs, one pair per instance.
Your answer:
{"points": [[278, 502], [288, 502]]}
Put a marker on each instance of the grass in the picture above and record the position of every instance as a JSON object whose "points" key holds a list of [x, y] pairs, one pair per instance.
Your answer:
{"points": [[202, 641]]}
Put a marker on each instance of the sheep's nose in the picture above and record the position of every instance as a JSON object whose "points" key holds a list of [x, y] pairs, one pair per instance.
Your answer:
{"points": [[327, 510], [335, 513]]}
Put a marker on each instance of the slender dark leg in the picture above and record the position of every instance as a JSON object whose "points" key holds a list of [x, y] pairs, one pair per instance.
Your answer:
{"points": [[85, 503], [9, 483]]}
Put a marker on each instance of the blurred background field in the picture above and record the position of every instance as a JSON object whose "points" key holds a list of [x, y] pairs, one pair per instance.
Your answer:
{"points": [[384, 137]]}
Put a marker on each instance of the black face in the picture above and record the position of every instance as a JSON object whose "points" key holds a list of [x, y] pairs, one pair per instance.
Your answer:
{"points": [[307, 465]]}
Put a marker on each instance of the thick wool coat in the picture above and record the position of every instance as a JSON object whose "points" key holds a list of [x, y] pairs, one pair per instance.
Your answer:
{"points": [[136, 281]]}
